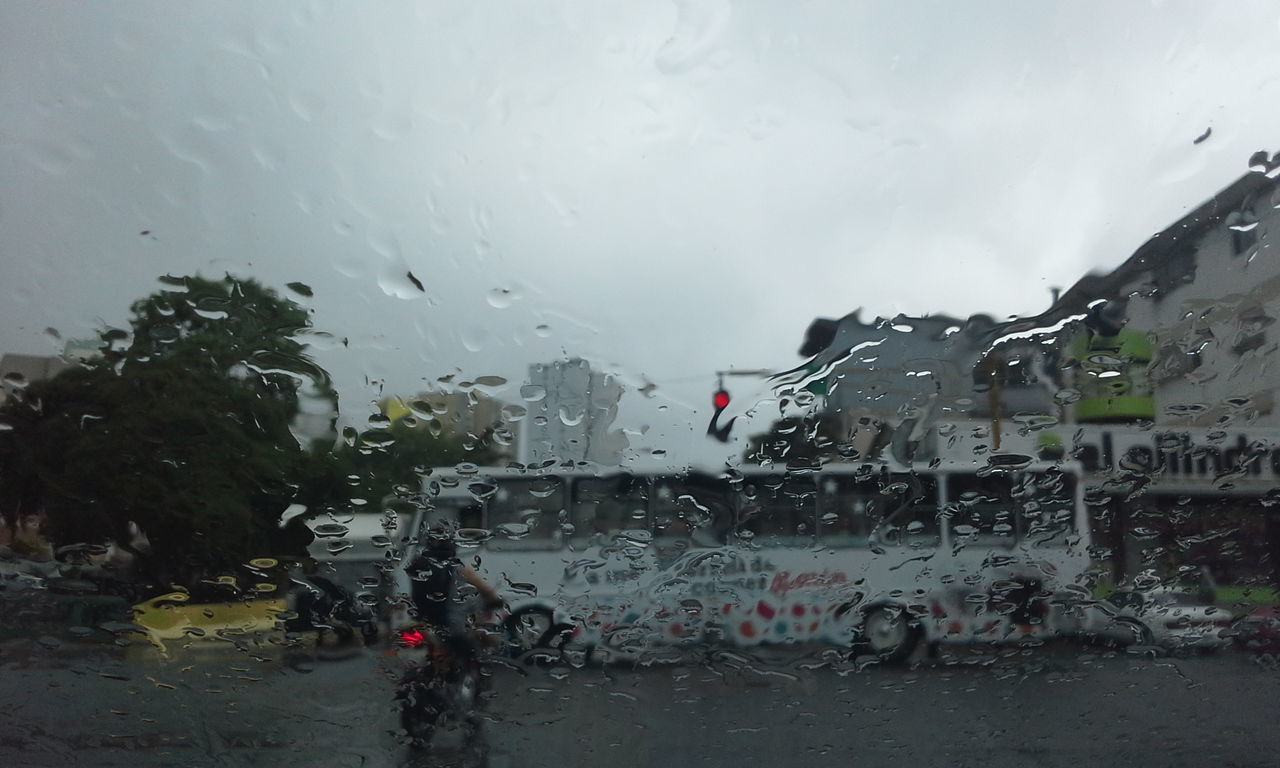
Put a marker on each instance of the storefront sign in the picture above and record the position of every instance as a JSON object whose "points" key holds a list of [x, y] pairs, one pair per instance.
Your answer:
{"points": [[1204, 459]]}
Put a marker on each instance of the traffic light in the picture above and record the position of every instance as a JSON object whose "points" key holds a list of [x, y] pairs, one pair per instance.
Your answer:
{"points": [[721, 401]]}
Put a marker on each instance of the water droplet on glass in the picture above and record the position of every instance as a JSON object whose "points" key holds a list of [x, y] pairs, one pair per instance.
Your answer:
{"points": [[543, 330], [350, 435], [558, 673], [330, 530], [543, 487], [398, 282], [339, 545], [1009, 460], [532, 393], [1067, 396], [482, 491], [638, 537], [472, 537], [474, 338], [571, 418], [512, 530], [501, 298]]}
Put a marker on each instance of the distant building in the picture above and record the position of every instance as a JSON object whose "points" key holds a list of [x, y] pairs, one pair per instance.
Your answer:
{"points": [[1173, 384], [317, 418], [18, 371], [1158, 376], [463, 415], [571, 411], [1205, 293], [919, 370]]}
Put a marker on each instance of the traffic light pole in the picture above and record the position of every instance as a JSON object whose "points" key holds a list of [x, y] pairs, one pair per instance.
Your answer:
{"points": [[720, 400]]}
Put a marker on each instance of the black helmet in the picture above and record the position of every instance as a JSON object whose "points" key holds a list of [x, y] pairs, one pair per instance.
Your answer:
{"points": [[438, 543]]}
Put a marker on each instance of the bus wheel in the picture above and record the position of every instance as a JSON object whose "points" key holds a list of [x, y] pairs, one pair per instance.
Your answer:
{"points": [[889, 634], [530, 628]]}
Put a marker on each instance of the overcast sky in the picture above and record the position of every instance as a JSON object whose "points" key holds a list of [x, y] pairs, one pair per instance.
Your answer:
{"points": [[665, 188]]}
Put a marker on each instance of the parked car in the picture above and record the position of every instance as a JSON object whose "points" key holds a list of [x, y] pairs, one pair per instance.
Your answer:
{"points": [[1164, 617], [215, 610], [1259, 630]]}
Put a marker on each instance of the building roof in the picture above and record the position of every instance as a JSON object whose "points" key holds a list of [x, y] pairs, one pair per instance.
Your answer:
{"points": [[985, 333], [1162, 246]]}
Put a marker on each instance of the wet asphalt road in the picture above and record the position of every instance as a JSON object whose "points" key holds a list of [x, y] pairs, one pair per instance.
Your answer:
{"points": [[1061, 706]]}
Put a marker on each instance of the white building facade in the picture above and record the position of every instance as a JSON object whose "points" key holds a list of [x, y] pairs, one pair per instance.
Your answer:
{"points": [[571, 412]]}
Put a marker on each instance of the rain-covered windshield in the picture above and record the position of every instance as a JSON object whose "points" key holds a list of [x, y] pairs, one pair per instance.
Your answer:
{"points": [[578, 383]]}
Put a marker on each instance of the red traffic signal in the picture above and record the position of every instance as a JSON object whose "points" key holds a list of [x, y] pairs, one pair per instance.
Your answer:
{"points": [[720, 399]]}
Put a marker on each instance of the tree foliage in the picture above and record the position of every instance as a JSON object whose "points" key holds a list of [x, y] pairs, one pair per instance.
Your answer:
{"points": [[182, 426], [392, 458]]}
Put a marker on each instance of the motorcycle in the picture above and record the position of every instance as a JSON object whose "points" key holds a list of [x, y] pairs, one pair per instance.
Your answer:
{"points": [[439, 689], [322, 606]]}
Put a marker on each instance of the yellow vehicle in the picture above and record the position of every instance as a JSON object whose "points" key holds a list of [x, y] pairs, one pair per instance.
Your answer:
{"points": [[219, 609]]}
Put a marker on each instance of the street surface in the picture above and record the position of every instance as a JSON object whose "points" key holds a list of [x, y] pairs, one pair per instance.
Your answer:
{"points": [[1066, 705]]}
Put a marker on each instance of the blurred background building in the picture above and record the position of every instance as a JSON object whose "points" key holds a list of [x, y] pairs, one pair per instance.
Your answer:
{"points": [[571, 413], [1157, 376]]}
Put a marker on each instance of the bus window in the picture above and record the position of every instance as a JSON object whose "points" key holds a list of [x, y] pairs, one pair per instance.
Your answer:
{"points": [[695, 508], [904, 511], [982, 509], [462, 512], [603, 506], [1046, 508], [842, 510], [525, 514], [778, 510]]}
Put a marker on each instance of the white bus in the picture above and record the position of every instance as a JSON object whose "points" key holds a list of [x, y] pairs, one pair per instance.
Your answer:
{"points": [[874, 556]]}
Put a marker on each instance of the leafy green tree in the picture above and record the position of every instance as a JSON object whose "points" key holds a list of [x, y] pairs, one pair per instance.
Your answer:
{"points": [[182, 426], [393, 457]]}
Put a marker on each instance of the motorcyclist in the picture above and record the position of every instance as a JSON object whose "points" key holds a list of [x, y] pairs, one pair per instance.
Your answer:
{"points": [[435, 577]]}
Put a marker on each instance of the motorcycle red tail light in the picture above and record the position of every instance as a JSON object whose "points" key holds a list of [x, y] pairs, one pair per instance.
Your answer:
{"points": [[412, 637]]}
